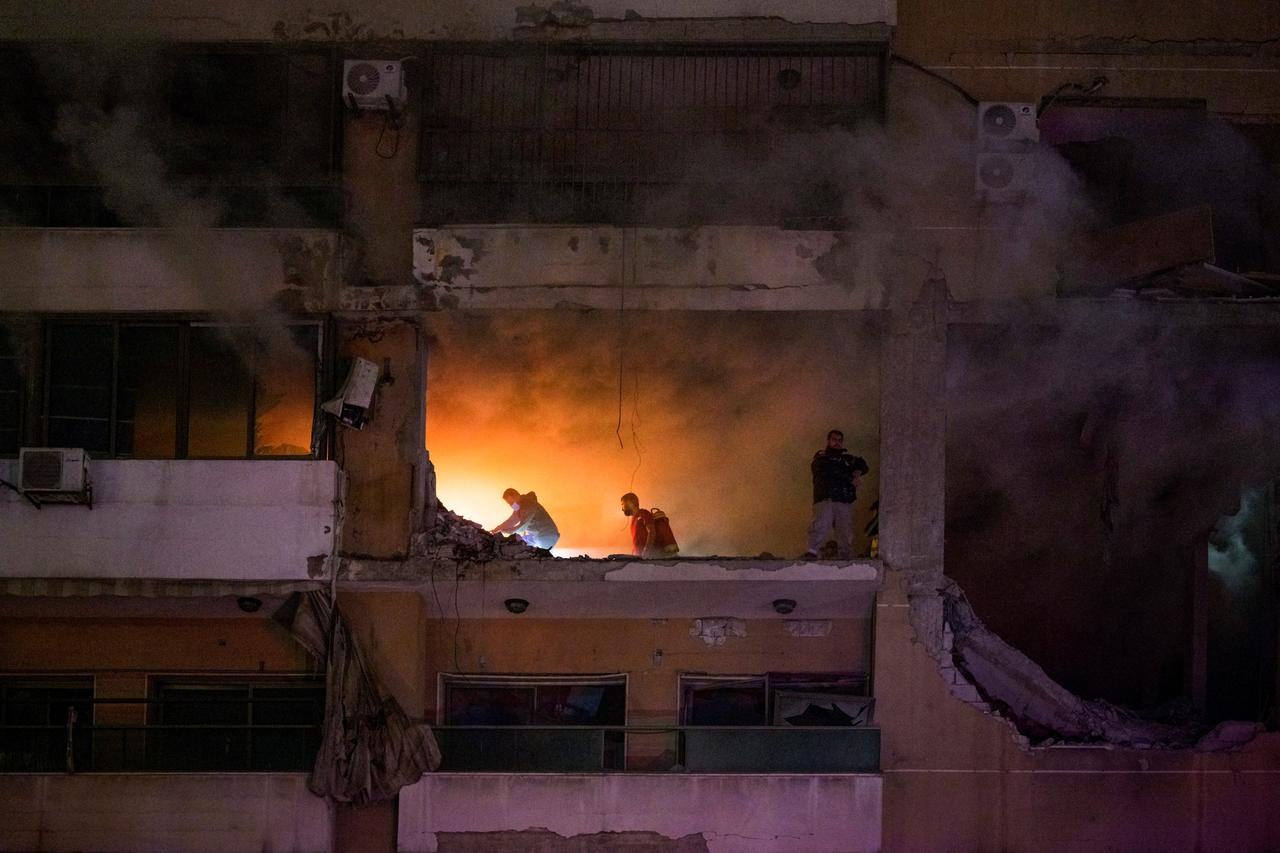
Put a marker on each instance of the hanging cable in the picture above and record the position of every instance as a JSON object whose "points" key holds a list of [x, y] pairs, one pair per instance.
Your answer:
{"points": [[622, 336]]}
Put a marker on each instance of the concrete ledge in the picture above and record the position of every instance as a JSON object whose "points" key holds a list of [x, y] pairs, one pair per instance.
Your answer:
{"points": [[625, 588], [177, 520], [163, 813], [780, 813]]}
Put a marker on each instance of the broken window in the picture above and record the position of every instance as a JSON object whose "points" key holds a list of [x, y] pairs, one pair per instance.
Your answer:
{"points": [[657, 134], [170, 390], [1143, 158], [34, 712], [528, 722], [224, 725]]}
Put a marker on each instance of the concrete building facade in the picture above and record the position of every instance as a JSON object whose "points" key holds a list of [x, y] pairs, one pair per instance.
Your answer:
{"points": [[1024, 257]]}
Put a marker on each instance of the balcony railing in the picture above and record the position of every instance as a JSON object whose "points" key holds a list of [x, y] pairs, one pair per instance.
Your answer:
{"points": [[695, 749], [222, 747]]}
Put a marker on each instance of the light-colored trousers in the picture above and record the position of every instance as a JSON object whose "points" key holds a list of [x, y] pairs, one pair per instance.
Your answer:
{"points": [[829, 514]]}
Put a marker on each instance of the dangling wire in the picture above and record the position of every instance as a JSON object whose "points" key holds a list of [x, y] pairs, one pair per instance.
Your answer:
{"points": [[622, 335]]}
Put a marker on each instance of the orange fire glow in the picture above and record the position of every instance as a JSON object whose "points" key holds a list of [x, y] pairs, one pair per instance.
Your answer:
{"points": [[720, 415]]}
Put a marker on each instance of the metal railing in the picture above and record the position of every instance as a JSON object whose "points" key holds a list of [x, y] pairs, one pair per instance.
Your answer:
{"points": [[238, 748], [634, 134], [77, 746]]}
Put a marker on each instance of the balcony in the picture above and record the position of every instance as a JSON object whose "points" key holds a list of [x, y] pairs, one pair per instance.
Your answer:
{"points": [[164, 813], [626, 587], [199, 520], [748, 813]]}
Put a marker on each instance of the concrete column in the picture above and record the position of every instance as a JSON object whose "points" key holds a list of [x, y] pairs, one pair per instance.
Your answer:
{"points": [[913, 452]]}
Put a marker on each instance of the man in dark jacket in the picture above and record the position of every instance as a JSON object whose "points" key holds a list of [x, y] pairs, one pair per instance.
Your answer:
{"points": [[836, 475]]}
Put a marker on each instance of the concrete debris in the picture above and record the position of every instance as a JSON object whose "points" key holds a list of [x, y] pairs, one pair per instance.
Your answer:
{"points": [[1015, 687], [715, 631], [562, 13], [453, 537]]}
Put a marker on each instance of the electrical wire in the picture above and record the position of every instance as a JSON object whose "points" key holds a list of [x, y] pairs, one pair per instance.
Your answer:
{"points": [[394, 123], [457, 621], [622, 336], [915, 66]]}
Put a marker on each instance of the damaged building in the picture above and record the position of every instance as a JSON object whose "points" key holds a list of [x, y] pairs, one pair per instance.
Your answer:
{"points": [[291, 295]]}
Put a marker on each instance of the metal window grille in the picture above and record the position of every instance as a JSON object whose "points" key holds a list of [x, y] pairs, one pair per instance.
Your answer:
{"points": [[592, 133]]}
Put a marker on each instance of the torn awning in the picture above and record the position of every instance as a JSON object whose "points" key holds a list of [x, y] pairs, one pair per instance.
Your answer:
{"points": [[369, 748]]}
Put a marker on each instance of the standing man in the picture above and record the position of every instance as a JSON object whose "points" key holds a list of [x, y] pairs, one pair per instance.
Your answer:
{"points": [[528, 520], [641, 523], [836, 475]]}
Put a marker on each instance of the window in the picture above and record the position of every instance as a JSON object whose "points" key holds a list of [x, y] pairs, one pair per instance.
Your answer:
{"points": [[655, 134], [250, 134], [170, 390], [261, 726], [10, 392], [777, 698], [528, 722], [33, 723]]}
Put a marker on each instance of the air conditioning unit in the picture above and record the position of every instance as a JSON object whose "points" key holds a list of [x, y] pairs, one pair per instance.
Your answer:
{"points": [[1000, 122], [374, 84], [1001, 176], [53, 471]]}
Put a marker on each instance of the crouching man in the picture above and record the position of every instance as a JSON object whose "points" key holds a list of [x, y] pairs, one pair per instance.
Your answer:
{"points": [[529, 520]]}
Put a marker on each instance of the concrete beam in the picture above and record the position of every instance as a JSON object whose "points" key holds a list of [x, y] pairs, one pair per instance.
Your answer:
{"points": [[524, 267]]}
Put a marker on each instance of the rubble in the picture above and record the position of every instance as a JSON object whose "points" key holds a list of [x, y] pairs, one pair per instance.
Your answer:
{"points": [[449, 536], [1015, 687]]}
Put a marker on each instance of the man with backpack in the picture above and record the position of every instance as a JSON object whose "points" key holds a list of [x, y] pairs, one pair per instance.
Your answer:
{"points": [[651, 535]]}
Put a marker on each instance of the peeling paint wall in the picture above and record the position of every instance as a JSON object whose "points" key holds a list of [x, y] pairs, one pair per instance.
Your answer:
{"points": [[671, 812], [706, 268]]}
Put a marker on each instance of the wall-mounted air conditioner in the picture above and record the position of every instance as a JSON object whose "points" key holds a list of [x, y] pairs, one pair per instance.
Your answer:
{"points": [[1001, 176], [53, 470], [374, 84], [1001, 121]]}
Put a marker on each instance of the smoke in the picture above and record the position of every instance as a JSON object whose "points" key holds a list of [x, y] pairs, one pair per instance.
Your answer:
{"points": [[1230, 556], [1087, 464], [720, 414]]}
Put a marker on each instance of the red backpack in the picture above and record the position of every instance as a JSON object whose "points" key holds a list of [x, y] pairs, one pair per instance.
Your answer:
{"points": [[664, 541]]}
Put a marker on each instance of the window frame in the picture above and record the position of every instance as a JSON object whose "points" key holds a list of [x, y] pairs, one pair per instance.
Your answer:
{"points": [[158, 682], [770, 683], [84, 722], [56, 194], [320, 443], [529, 680]]}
